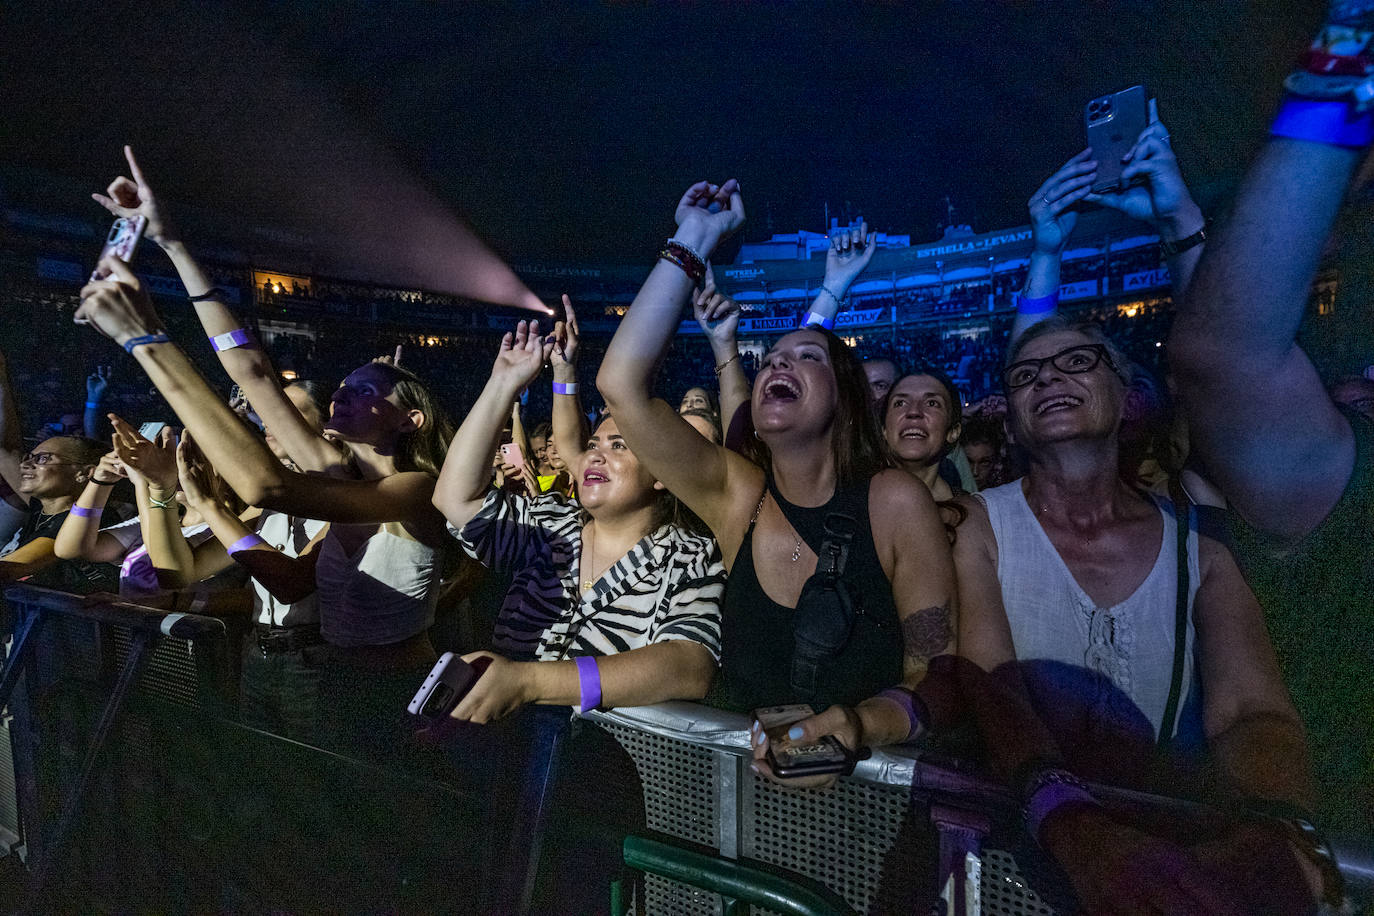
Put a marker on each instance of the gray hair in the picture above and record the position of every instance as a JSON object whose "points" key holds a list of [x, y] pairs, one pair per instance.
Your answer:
{"points": [[1088, 329]]}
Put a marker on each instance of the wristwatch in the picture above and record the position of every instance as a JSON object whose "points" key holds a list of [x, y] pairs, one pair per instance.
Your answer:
{"points": [[1178, 246]]}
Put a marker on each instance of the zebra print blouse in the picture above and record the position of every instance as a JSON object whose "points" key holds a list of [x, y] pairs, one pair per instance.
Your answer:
{"points": [[668, 586]]}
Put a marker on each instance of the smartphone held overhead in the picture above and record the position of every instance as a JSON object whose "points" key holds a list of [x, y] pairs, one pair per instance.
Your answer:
{"points": [[1113, 122], [122, 242]]}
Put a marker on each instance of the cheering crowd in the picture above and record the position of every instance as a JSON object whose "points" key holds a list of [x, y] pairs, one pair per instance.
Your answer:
{"points": [[1154, 581]]}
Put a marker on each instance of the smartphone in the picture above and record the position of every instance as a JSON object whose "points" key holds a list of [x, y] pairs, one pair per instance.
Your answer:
{"points": [[447, 683], [511, 455], [121, 242], [819, 758], [150, 430], [1113, 123]]}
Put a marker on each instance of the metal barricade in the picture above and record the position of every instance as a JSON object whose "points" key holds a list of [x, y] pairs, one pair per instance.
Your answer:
{"points": [[901, 815], [868, 838]]}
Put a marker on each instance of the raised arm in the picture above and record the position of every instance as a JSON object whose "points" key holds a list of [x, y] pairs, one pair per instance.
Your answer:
{"points": [[93, 419], [849, 253], [246, 363], [711, 480], [1053, 215], [1257, 411], [569, 421], [718, 317], [466, 474], [80, 536], [154, 467], [120, 309]]}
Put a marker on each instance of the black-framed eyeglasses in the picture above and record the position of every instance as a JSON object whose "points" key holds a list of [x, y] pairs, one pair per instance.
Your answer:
{"points": [[42, 459], [1073, 360]]}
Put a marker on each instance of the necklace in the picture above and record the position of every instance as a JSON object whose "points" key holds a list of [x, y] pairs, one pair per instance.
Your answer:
{"points": [[796, 551], [588, 559]]}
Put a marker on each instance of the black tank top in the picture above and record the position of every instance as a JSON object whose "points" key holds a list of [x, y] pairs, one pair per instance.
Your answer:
{"points": [[756, 631]]}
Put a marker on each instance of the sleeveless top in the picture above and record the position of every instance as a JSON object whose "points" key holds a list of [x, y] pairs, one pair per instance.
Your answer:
{"points": [[1116, 662], [290, 535], [757, 635], [385, 593]]}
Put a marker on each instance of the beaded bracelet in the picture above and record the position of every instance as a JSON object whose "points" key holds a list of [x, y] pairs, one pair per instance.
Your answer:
{"points": [[684, 257]]}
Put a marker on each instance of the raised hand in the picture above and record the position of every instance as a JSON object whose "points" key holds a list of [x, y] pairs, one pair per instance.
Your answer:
{"points": [[117, 306], [849, 253], [1155, 192], [521, 357], [716, 313], [1053, 208], [97, 383], [565, 337], [109, 471], [198, 481], [708, 213], [133, 197], [153, 462]]}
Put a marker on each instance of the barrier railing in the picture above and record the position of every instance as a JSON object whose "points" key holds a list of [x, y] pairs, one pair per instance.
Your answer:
{"points": [[901, 812], [240, 810]]}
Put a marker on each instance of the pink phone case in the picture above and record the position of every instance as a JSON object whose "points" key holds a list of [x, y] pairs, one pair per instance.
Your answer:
{"points": [[122, 242]]}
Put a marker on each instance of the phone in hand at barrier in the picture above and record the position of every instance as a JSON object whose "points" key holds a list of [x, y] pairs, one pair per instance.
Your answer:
{"points": [[822, 757], [1113, 123], [121, 242], [444, 688]]}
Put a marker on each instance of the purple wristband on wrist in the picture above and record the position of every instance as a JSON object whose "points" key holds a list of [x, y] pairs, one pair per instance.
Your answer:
{"points": [[918, 716], [238, 337], [1049, 798], [245, 542], [565, 387], [1039, 305], [1332, 123], [588, 682], [83, 512], [812, 320]]}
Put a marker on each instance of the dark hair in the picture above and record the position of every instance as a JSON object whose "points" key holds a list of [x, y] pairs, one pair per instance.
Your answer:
{"points": [[543, 430], [318, 392], [711, 398], [88, 452], [956, 400], [422, 449], [712, 418], [668, 509], [855, 443]]}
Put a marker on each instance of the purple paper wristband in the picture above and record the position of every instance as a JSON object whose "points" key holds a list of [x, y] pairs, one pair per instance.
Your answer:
{"points": [[918, 716], [588, 682], [1332, 123], [1038, 305], [245, 542], [1049, 798], [565, 387], [238, 337], [83, 512]]}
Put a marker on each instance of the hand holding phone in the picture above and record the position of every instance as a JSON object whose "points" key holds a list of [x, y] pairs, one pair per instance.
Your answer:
{"points": [[121, 242], [1113, 124], [444, 688], [513, 456], [788, 759]]}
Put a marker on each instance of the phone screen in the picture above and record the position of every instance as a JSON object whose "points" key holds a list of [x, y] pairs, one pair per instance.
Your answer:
{"points": [[121, 242], [1113, 123], [150, 430]]}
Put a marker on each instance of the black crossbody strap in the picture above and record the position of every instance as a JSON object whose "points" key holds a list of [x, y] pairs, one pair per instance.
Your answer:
{"points": [[846, 507], [1168, 726]]}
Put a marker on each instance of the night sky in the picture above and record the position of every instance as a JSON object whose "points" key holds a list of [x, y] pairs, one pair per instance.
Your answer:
{"points": [[569, 132]]}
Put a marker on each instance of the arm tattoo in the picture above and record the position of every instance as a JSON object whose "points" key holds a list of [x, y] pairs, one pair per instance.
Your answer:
{"points": [[926, 633]]}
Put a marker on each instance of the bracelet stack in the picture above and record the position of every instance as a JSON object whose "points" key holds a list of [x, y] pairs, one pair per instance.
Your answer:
{"points": [[685, 257], [721, 367]]}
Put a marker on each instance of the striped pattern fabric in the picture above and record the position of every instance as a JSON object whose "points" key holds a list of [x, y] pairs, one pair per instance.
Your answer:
{"points": [[668, 586]]}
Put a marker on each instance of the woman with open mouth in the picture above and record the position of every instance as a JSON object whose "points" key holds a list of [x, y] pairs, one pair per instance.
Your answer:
{"points": [[614, 601], [817, 476]]}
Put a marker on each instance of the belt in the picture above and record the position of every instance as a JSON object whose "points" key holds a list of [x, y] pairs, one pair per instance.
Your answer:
{"points": [[272, 640]]}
